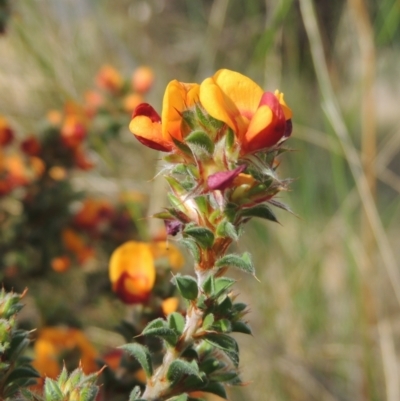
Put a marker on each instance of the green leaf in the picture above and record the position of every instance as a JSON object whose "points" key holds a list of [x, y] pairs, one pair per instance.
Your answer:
{"points": [[51, 390], [215, 388], [182, 147], [262, 211], [159, 328], [203, 236], [176, 322], [223, 326], [22, 372], [222, 284], [239, 307], [210, 365], [209, 285], [226, 343], [187, 286], [240, 262], [135, 393], [179, 369], [201, 139], [202, 203], [226, 229], [142, 355], [163, 216], [230, 138], [241, 327], [193, 248], [182, 397], [208, 321]]}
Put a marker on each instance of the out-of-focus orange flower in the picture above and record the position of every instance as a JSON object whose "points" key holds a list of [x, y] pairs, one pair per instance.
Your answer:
{"points": [[109, 78], [16, 169], [113, 358], [81, 160], [74, 127], [132, 272], [146, 123], [61, 264], [54, 117], [93, 101], [31, 146], [58, 173], [169, 305], [142, 79], [6, 133], [74, 243], [93, 212], [52, 345], [131, 101], [162, 250], [257, 118], [37, 165]]}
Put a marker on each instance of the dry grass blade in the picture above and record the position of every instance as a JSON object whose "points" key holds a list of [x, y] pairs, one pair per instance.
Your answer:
{"points": [[332, 112]]}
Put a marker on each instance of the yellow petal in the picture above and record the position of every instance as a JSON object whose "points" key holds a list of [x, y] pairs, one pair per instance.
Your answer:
{"points": [[143, 126], [177, 98], [241, 90], [261, 119], [162, 249], [135, 259], [286, 110]]}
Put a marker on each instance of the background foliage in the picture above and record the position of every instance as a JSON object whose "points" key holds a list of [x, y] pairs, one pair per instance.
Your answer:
{"points": [[325, 316]]}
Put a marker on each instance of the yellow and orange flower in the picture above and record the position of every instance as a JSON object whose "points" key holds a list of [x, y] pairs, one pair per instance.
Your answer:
{"points": [[74, 127], [257, 118], [6, 133], [146, 123], [54, 343], [74, 243], [132, 272], [132, 268]]}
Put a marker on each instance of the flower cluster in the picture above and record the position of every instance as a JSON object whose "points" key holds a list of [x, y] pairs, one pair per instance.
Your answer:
{"points": [[222, 139], [50, 223]]}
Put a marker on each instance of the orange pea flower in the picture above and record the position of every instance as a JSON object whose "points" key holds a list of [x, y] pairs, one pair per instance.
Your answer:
{"points": [[146, 123], [31, 146], [54, 343], [257, 118], [109, 78], [142, 79], [60, 264], [169, 305], [74, 127], [132, 272], [93, 212], [131, 101], [6, 133], [74, 243]]}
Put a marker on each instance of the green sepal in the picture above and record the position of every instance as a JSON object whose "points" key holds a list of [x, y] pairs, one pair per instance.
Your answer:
{"points": [[141, 354], [202, 235], [163, 216], [187, 286], [176, 322], [202, 204], [88, 393], [239, 262], [226, 229], [239, 307], [159, 327], [262, 211], [190, 354], [135, 394], [200, 139], [176, 185], [182, 147], [179, 369], [52, 391], [241, 327], [193, 248], [176, 202], [225, 343], [229, 138]]}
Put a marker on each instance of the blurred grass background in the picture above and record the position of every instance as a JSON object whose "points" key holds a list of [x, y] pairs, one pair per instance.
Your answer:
{"points": [[326, 316]]}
